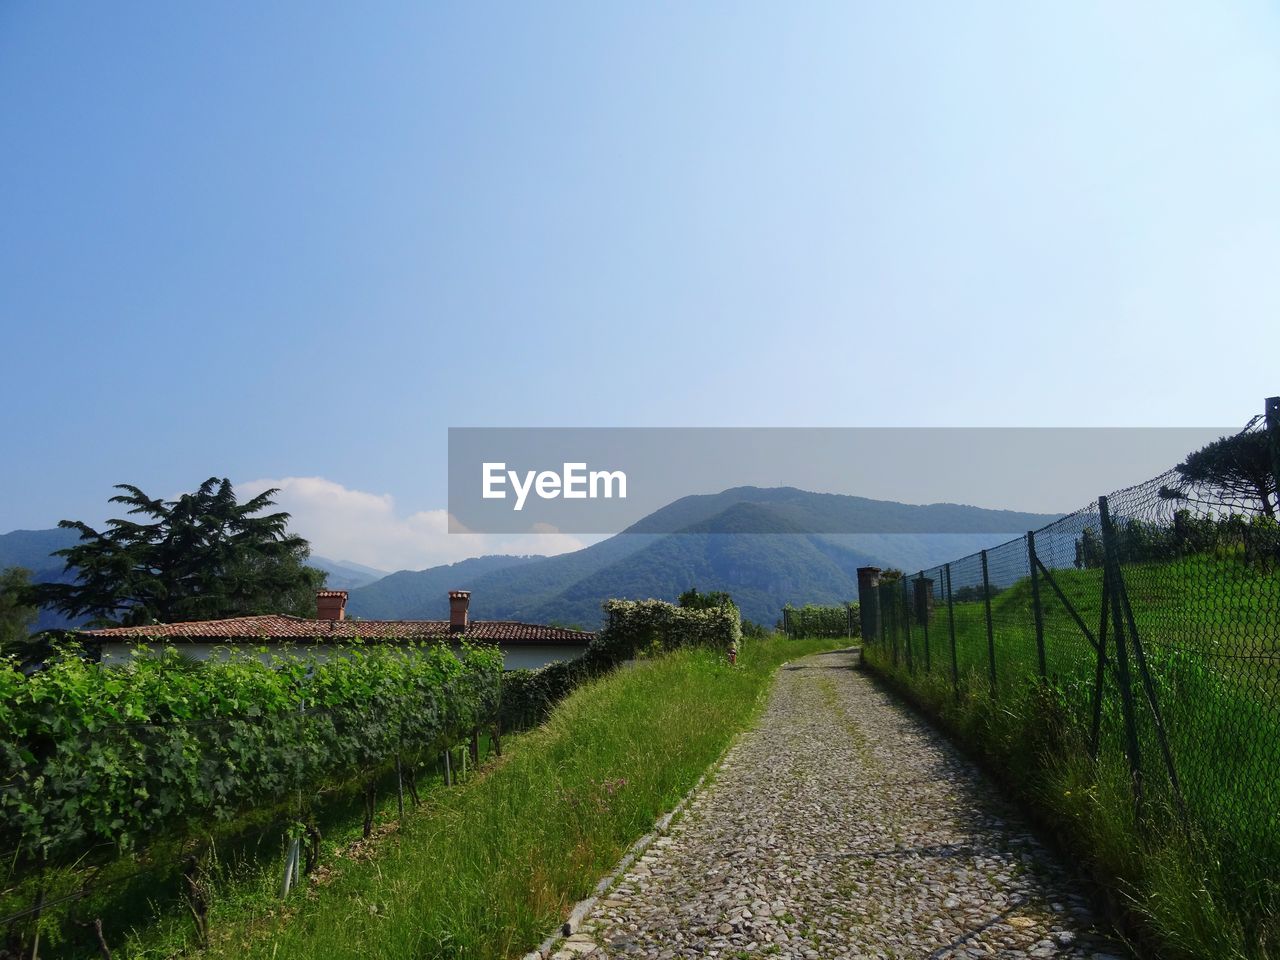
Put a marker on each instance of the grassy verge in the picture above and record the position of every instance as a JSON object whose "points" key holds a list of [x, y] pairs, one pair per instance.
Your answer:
{"points": [[1176, 886], [485, 870]]}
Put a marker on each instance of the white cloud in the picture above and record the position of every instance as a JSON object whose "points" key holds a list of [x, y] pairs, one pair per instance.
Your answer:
{"points": [[345, 524]]}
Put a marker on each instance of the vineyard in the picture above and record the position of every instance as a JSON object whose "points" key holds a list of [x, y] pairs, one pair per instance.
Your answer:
{"points": [[812, 620], [115, 780], [100, 764]]}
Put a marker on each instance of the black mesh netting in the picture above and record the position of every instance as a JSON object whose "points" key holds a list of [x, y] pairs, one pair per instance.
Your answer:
{"points": [[1154, 615]]}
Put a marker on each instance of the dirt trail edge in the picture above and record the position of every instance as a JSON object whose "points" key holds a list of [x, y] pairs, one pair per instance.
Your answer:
{"points": [[842, 826]]}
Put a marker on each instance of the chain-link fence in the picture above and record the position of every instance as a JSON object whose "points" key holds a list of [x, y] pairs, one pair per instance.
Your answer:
{"points": [[1151, 621]]}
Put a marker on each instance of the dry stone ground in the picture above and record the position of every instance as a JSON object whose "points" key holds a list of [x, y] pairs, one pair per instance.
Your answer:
{"points": [[842, 826]]}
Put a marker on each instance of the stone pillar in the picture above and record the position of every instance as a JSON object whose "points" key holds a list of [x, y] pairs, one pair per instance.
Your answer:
{"points": [[923, 598], [869, 602]]}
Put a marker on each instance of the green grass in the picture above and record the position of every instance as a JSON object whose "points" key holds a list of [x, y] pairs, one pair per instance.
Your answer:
{"points": [[1203, 887], [487, 869]]}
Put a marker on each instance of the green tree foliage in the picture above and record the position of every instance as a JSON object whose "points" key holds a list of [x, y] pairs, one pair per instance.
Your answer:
{"points": [[1089, 549], [1256, 539], [17, 612], [200, 557], [1232, 468], [691, 599], [116, 756]]}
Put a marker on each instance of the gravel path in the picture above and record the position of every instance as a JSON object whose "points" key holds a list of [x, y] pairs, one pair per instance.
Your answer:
{"points": [[842, 826]]}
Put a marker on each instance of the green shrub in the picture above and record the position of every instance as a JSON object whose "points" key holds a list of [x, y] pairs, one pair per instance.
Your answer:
{"points": [[94, 756]]}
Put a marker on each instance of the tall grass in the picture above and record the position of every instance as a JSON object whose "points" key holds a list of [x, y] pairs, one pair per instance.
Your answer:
{"points": [[487, 869], [1185, 887]]}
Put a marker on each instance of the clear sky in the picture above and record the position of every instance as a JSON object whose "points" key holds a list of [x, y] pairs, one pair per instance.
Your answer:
{"points": [[297, 241]]}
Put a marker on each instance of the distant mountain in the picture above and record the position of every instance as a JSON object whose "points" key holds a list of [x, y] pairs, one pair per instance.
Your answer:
{"points": [[345, 575], [502, 587], [765, 546], [423, 594], [33, 550], [762, 571], [838, 514]]}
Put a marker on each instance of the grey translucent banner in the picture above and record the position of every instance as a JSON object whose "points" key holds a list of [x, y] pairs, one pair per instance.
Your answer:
{"points": [[590, 480]]}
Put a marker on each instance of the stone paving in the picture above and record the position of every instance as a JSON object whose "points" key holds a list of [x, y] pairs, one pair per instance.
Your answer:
{"points": [[842, 826]]}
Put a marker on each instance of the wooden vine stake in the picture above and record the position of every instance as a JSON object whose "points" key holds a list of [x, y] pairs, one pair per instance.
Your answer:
{"points": [[35, 915], [313, 847], [411, 782], [197, 898], [370, 800], [103, 949], [399, 788]]}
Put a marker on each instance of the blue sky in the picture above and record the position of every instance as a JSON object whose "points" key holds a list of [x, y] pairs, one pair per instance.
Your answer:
{"points": [[285, 241]]}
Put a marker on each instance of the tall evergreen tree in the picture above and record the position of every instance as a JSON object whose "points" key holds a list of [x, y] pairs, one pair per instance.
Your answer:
{"points": [[203, 556], [17, 613]]}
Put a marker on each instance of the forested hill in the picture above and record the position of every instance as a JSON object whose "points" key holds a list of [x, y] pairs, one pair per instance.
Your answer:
{"points": [[766, 546]]}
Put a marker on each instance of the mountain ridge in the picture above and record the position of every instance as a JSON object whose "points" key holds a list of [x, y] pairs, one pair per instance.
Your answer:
{"points": [[765, 545]]}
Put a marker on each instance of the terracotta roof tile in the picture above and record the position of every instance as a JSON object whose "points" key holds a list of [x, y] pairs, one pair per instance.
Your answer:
{"points": [[281, 627]]}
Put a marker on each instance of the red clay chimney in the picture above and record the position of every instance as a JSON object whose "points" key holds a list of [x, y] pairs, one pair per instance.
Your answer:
{"points": [[458, 602], [331, 604]]}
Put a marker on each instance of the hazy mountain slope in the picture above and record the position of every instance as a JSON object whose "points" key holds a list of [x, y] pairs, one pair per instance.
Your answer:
{"points": [[834, 513], [766, 546], [915, 551], [344, 575], [423, 594], [763, 571], [516, 594], [33, 549]]}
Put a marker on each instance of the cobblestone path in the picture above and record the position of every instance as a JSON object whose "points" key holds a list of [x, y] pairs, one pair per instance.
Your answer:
{"points": [[842, 826]]}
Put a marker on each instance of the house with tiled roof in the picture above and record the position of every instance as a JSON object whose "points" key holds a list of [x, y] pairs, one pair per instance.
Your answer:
{"points": [[523, 644]]}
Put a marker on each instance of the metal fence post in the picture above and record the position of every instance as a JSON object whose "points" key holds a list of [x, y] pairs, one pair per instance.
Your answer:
{"points": [[1273, 433], [923, 598], [951, 628], [1035, 601], [904, 606], [1111, 571], [868, 601], [991, 636], [1100, 677]]}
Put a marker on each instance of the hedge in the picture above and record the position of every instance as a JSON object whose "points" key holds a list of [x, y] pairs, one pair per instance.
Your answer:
{"points": [[93, 755], [635, 626]]}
